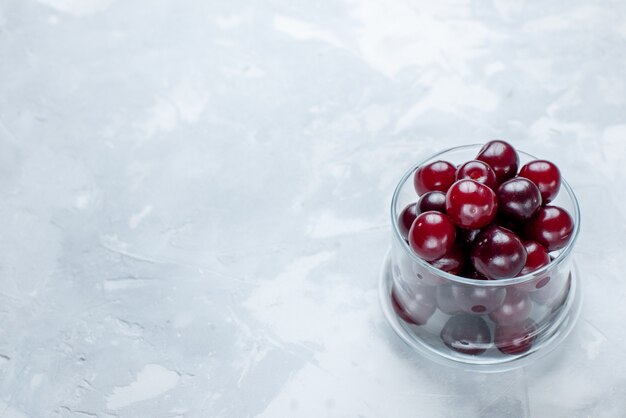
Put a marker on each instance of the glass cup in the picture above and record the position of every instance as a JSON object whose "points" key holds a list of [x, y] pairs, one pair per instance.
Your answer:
{"points": [[484, 325]]}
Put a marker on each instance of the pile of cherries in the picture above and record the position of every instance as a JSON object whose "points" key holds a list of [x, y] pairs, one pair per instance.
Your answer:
{"points": [[484, 220]]}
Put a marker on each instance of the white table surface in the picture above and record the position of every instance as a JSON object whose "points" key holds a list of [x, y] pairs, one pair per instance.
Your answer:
{"points": [[194, 199]]}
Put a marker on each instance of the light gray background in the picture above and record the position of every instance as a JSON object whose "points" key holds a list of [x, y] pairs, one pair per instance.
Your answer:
{"points": [[194, 199]]}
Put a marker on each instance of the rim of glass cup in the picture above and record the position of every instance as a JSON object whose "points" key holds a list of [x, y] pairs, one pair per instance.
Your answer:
{"points": [[488, 283]]}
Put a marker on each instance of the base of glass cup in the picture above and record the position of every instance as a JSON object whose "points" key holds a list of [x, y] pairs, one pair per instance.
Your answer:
{"points": [[558, 331]]}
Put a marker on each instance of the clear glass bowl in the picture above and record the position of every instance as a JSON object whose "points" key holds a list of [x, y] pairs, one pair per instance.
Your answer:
{"points": [[452, 319]]}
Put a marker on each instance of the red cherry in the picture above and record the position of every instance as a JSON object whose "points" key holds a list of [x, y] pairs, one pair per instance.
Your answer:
{"points": [[432, 201], [545, 175], [552, 227], [466, 237], [414, 307], [470, 204], [498, 253], [467, 334], [515, 308], [502, 158], [518, 199], [517, 338], [509, 224], [452, 262], [438, 175], [432, 235], [536, 257], [478, 171], [406, 218]]}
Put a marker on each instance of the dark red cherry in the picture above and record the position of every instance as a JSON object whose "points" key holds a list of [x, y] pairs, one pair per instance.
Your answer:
{"points": [[516, 338], [452, 262], [515, 308], [432, 235], [501, 157], [446, 301], [432, 201], [504, 222], [536, 257], [498, 253], [438, 175], [478, 299], [478, 171], [552, 227], [415, 306], [545, 175], [466, 237], [467, 334], [470, 204], [518, 199], [406, 218]]}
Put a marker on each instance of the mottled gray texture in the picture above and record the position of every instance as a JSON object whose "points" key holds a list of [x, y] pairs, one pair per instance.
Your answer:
{"points": [[194, 199]]}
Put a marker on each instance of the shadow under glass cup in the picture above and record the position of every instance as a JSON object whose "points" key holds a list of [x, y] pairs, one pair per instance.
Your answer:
{"points": [[483, 325]]}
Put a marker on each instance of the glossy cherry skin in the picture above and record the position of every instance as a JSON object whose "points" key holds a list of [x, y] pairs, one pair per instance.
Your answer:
{"points": [[452, 262], [518, 199], [498, 253], [467, 334], [415, 306], [406, 219], [516, 338], [515, 308], [536, 257], [509, 224], [446, 301], [466, 237], [432, 235], [478, 171], [432, 201], [478, 299], [545, 175], [470, 204], [552, 227], [438, 175], [501, 157]]}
